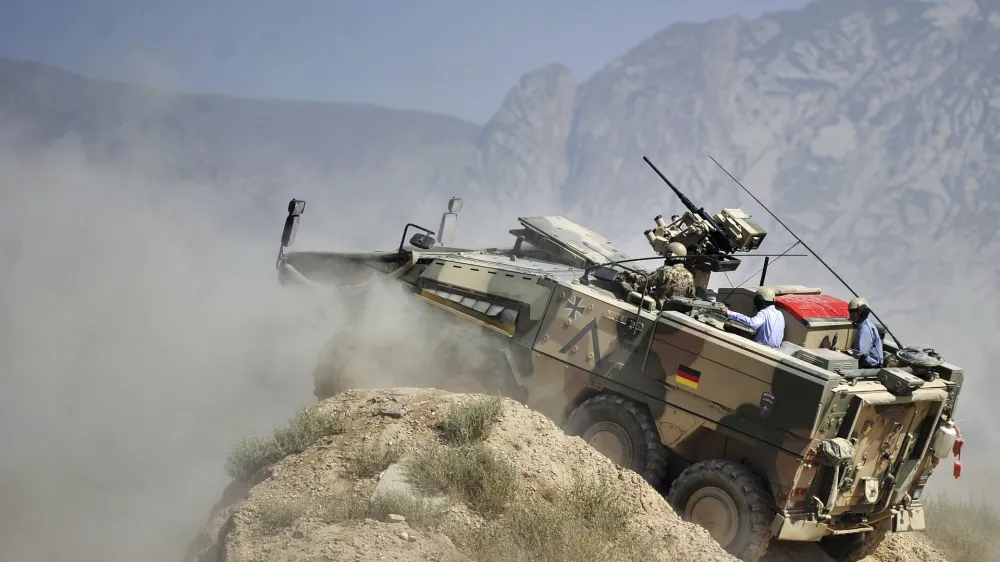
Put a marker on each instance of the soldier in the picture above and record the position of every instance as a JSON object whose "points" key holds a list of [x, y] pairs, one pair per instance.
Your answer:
{"points": [[768, 322], [867, 346], [671, 280]]}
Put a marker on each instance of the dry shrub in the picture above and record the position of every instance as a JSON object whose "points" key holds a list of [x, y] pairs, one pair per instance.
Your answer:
{"points": [[965, 530], [419, 512], [589, 523], [251, 454], [471, 421], [475, 474], [277, 513], [371, 458]]}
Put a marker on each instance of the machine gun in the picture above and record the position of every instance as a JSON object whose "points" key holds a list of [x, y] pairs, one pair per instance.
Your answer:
{"points": [[708, 241], [728, 232]]}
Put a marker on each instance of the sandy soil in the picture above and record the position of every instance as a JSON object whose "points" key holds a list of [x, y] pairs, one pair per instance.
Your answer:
{"points": [[545, 458]]}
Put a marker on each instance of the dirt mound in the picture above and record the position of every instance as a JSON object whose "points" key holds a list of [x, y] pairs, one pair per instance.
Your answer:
{"points": [[420, 474]]}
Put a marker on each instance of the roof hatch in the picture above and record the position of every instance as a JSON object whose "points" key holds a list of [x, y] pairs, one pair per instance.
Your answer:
{"points": [[562, 236]]}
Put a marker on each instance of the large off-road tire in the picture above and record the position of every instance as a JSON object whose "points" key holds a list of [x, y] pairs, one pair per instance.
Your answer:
{"points": [[623, 431], [728, 500], [855, 546]]}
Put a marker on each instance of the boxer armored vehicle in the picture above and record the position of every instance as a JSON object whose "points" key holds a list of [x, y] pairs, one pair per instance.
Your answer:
{"points": [[795, 443]]}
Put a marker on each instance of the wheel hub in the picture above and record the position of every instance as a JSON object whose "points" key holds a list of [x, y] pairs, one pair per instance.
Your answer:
{"points": [[612, 441], [715, 510]]}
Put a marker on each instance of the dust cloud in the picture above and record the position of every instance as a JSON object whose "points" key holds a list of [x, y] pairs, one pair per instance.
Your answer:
{"points": [[141, 330]]}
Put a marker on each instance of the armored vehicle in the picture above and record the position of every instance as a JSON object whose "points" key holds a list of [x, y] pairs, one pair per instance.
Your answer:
{"points": [[755, 443]]}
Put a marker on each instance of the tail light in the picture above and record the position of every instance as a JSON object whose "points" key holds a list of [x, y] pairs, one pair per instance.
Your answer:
{"points": [[957, 451]]}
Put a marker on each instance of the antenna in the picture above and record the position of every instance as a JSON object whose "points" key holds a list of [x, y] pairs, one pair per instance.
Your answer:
{"points": [[830, 269]]}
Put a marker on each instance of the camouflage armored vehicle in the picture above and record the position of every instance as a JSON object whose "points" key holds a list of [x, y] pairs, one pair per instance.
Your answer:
{"points": [[754, 443]]}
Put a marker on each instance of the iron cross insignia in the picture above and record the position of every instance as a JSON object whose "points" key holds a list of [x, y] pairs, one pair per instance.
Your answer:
{"points": [[575, 307]]}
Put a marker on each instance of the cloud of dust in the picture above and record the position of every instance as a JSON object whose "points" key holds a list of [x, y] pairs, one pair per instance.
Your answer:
{"points": [[141, 329]]}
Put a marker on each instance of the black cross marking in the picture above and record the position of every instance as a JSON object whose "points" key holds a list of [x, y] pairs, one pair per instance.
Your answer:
{"points": [[592, 328], [575, 308]]}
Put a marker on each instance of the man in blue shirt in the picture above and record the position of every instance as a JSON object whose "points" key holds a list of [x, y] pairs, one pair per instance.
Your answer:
{"points": [[867, 346], [768, 322]]}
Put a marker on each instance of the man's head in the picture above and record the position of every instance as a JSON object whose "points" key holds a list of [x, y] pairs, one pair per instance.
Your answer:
{"points": [[763, 298], [857, 309]]}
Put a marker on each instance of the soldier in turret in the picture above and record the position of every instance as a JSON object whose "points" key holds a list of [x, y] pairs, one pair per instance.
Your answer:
{"points": [[672, 279]]}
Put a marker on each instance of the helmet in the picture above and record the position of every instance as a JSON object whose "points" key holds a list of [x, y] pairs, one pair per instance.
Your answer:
{"points": [[677, 249], [763, 298], [765, 294], [856, 304]]}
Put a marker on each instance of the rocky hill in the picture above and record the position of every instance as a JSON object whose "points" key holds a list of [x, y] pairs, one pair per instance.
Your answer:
{"points": [[408, 474]]}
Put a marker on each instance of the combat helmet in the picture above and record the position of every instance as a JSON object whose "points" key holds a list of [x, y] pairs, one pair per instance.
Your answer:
{"points": [[676, 249], [858, 306], [766, 294], [763, 297]]}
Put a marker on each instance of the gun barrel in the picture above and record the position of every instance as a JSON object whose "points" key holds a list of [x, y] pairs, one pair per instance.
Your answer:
{"points": [[724, 243], [684, 199]]}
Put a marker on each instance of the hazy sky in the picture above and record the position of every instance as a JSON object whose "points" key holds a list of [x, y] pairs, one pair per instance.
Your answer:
{"points": [[453, 56]]}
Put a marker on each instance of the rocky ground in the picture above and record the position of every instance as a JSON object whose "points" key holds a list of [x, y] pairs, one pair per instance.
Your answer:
{"points": [[398, 474]]}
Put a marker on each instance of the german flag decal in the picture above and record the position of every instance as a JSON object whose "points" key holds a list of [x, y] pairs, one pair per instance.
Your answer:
{"points": [[687, 376]]}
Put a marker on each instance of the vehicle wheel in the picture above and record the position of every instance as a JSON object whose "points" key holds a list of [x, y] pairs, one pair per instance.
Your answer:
{"points": [[623, 431], [854, 547], [728, 500]]}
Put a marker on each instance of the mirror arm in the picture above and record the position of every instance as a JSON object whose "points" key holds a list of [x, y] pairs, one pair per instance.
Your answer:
{"points": [[407, 228]]}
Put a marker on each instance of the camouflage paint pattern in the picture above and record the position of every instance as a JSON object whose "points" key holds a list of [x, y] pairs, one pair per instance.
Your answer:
{"points": [[557, 340]]}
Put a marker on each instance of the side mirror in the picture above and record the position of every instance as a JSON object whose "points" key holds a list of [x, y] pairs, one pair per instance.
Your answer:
{"points": [[422, 241], [295, 208]]}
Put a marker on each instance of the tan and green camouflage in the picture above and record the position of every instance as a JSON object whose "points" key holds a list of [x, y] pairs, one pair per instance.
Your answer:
{"points": [[795, 443]]}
